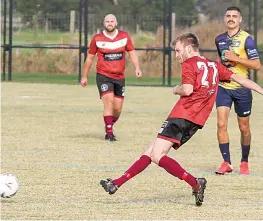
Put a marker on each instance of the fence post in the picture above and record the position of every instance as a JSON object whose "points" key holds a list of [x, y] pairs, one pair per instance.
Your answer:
{"points": [[80, 38], [173, 25], [173, 29], [164, 39], [4, 51], [72, 24], [10, 39], [255, 75], [169, 41], [85, 29]]}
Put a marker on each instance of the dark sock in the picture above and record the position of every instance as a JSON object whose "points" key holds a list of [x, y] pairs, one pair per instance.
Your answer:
{"points": [[175, 169], [135, 169], [114, 119], [245, 152], [224, 148], [108, 124]]}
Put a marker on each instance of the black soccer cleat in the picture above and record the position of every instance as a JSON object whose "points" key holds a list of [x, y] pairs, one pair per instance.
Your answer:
{"points": [[110, 137], [106, 136], [108, 186], [199, 193]]}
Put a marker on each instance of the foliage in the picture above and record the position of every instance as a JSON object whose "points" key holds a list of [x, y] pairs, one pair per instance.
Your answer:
{"points": [[215, 8], [260, 48], [130, 12], [39, 12]]}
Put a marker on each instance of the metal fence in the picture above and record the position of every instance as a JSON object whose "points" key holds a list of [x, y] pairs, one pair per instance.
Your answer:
{"points": [[75, 28]]}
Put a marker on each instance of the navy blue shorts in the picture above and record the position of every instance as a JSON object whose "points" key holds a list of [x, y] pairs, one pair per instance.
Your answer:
{"points": [[241, 97]]}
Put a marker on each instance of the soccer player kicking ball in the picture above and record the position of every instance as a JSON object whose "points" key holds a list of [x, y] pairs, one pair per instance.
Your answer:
{"points": [[200, 79]]}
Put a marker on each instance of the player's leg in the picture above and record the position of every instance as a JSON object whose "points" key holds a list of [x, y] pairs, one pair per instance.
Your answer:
{"points": [[243, 106], [243, 123], [112, 185], [223, 104], [119, 90], [176, 132], [157, 152], [159, 156], [108, 101], [106, 90], [117, 108]]}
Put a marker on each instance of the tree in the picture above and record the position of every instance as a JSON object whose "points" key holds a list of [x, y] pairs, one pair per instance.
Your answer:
{"points": [[148, 14]]}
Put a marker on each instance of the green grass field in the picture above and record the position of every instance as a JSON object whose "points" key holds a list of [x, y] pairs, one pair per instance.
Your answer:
{"points": [[52, 140], [73, 79]]}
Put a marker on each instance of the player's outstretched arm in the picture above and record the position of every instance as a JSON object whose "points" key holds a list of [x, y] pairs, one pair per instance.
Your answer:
{"points": [[247, 83]]}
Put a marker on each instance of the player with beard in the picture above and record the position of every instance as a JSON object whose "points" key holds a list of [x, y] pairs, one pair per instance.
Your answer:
{"points": [[110, 46], [200, 79]]}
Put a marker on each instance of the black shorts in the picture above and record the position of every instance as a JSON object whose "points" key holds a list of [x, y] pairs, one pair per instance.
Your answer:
{"points": [[178, 131], [110, 85]]}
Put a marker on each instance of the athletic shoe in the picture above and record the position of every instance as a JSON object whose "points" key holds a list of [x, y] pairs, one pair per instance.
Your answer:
{"points": [[244, 168], [108, 186], [225, 167], [199, 191], [110, 137], [106, 136]]}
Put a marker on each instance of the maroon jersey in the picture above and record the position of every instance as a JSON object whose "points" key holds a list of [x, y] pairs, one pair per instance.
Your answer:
{"points": [[204, 75], [111, 53]]}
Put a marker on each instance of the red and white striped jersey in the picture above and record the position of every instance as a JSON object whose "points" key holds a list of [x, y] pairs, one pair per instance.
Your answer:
{"points": [[111, 53]]}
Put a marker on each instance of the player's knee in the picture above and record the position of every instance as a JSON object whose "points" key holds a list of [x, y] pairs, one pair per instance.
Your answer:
{"points": [[222, 125], [244, 128], [108, 103], [117, 111], [156, 157]]}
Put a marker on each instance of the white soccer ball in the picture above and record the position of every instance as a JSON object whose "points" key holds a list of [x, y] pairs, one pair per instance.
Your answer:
{"points": [[8, 185]]}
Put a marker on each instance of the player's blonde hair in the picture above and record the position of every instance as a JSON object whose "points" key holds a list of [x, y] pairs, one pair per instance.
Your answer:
{"points": [[187, 39]]}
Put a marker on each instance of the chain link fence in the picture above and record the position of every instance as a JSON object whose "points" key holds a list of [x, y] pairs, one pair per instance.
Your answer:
{"points": [[56, 43]]}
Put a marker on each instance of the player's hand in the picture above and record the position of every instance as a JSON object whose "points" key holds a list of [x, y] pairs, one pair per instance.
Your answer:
{"points": [[231, 56], [84, 81], [175, 88], [138, 73]]}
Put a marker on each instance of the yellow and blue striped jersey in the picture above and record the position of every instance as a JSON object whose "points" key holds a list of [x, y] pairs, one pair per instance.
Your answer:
{"points": [[243, 45]]}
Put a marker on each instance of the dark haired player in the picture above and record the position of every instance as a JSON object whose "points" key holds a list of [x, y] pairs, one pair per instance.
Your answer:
{"points": [[238, 52]]}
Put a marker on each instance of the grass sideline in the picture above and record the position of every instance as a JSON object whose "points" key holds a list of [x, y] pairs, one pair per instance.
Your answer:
{"points": [[73, 79]]}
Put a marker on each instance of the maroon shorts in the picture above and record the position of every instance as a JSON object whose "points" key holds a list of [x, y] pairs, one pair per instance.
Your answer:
{"points": [[178, 131]]}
